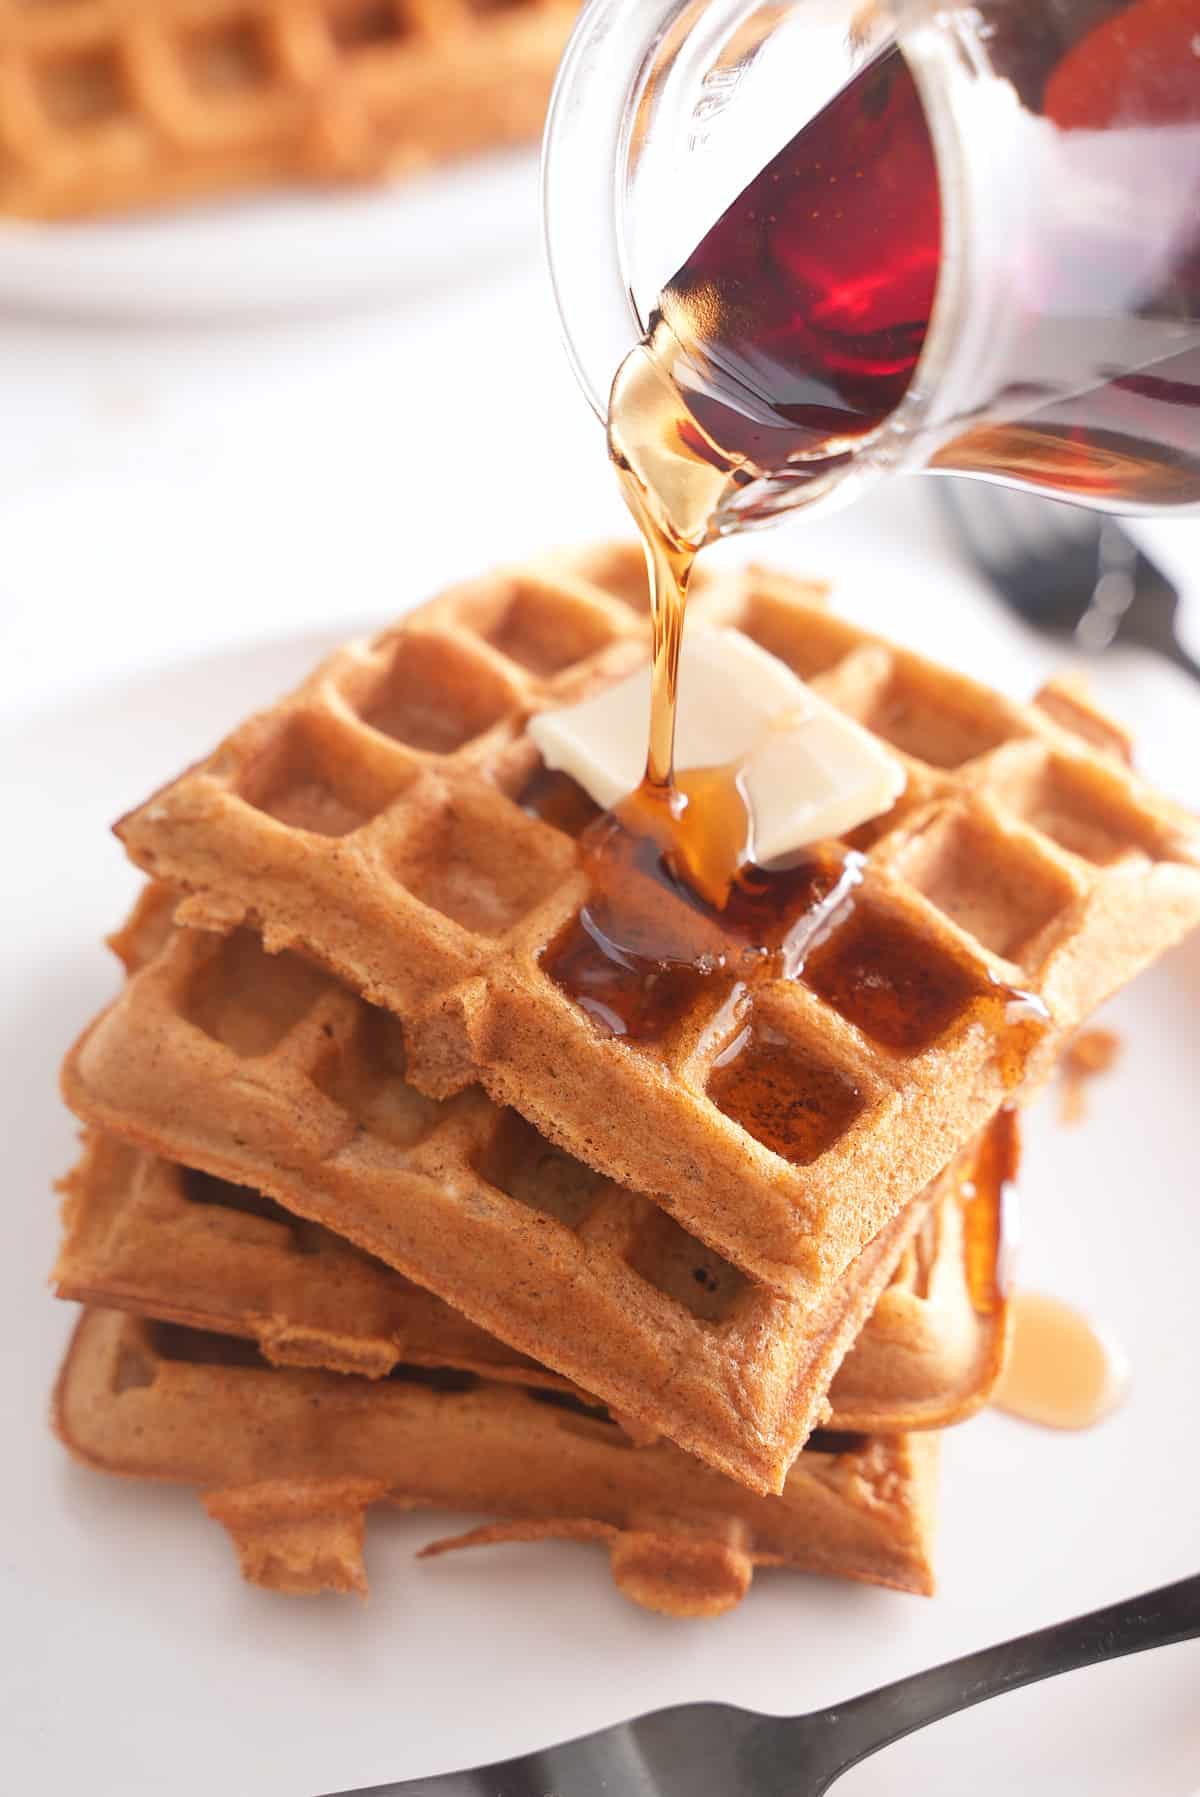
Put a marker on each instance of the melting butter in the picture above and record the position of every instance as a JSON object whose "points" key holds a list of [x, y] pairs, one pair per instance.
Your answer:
{"points": [[807, 772]]}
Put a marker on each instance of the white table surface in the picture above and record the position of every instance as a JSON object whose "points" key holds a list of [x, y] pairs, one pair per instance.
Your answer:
{"points": [[167, 490], [170, 494]]}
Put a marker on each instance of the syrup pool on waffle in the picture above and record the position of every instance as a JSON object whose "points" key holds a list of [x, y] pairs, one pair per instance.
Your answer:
{"points": [[646, 946]]}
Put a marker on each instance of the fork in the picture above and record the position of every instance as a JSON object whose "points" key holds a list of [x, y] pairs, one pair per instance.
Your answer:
{"points": [[1066, 571], [714, 1750]]}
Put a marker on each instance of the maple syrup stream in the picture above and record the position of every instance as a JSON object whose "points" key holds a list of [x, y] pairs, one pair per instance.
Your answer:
{"points": [[698, 817], [763, 349], [678, 909]]}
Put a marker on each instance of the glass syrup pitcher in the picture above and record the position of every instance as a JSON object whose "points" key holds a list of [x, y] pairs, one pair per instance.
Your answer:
{"points": [[859, 237]]}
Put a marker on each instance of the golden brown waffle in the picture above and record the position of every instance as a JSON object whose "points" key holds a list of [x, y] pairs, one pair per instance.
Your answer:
{"points": [[107, 104], [389, 819], [291, 1461], [263, 1071], [159, 1239], [166, 1242]]}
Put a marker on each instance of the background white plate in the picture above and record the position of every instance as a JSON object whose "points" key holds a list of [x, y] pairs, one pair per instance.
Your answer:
{"points": [[280, 252], [136, 1661]]}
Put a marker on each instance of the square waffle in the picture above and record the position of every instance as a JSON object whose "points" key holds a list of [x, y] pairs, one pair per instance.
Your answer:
{"points": [[391, 819], [290, 1462], [108, 104], [166, 1242], [262, 1071]]}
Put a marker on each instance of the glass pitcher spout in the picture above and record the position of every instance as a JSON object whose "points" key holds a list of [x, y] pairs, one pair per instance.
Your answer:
{"points": [[864, 240]]}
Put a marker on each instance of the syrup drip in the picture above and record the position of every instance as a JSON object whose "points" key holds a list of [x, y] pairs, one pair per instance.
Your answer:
{"points": [[698, 824], [642, 862], [989, 1213], [1061, 1370], [679, 909], [673, 487], [1021, 1021]]}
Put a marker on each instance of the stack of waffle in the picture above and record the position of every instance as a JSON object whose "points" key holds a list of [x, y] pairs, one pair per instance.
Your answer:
{"points": [[110, 104], [371, 1209]]}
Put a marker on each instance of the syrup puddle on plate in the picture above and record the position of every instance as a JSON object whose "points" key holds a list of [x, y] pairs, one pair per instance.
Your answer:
{"points": [[1062, 1372]]}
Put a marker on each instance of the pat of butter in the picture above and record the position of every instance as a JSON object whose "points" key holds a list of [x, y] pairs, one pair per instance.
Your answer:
{"points": [[808, 772]]}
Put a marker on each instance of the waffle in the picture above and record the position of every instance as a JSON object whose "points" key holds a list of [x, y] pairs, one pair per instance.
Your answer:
{"points": [[110, 104], [391, 818], [159, 1239], [291, 1461], [264, 1072], [164, 1241]]}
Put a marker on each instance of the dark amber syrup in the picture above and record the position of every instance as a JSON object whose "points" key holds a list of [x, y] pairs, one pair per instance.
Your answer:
{"points": [[791, 1102], [989, 1195], [647, 947], [1020, 1021], [899, 989], [797, 323], [795, 327]]}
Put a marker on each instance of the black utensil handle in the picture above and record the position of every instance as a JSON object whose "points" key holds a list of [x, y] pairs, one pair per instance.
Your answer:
{"points": [[1182, 658], [1155, 1619]]}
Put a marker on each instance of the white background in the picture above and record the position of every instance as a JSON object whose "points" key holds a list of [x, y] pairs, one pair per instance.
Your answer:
{"points": [[187, 511]]}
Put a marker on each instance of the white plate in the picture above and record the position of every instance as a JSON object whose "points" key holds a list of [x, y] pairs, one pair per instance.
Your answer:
{"points": [[138, 1664], [280, 252]]}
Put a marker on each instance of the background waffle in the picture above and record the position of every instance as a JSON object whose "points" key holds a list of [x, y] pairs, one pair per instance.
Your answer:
{"points": [[159, 1239], [106, 104], [263, 1071], [292, 1460], [391, 819]]}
